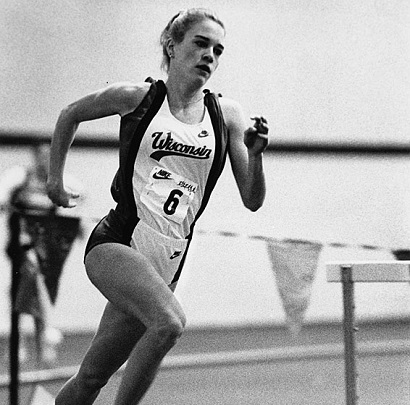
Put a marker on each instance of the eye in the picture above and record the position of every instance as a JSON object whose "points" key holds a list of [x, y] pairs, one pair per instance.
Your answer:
{"points": [[201, 44], [218, 52]]}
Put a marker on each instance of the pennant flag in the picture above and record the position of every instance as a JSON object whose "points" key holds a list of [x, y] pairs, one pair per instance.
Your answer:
{"points": [[294, 263], [28, 297], [41, 397], [52, 237], [39, 250]]}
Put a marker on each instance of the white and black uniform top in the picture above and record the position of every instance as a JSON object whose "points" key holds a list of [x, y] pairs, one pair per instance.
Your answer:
{"points": [[171, 171], [167, 172]]}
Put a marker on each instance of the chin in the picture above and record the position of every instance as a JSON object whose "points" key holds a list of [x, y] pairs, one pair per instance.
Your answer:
{"points": [[200, 81]]}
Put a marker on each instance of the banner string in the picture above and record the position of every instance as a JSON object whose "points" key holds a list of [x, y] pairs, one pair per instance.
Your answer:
{"points": [[402, 253]]}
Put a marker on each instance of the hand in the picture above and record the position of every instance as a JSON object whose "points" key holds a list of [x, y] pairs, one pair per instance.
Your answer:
{"points": [[60, 196], [256, 137]]}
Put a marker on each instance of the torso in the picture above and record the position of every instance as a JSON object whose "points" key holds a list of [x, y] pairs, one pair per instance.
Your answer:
{"points": [[171, 170]]}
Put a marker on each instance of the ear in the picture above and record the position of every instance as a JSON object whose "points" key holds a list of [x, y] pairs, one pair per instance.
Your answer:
{"points": [[170, 48]]}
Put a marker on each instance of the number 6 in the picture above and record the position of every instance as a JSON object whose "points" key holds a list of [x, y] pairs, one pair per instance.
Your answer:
{"points": [[172, 202]]}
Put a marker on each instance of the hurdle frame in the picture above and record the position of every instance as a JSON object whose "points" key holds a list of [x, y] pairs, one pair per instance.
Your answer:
{"points": [[361, 271]]}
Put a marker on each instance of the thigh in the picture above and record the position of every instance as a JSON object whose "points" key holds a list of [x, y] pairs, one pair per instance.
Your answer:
{"points": [[112, 344], [130, 282]]}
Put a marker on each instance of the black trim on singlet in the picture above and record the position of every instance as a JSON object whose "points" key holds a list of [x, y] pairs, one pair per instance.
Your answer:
{"points": [[221, 149], [132, 130]]}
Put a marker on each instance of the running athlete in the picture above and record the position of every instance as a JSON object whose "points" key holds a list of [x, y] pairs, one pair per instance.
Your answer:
{"points": [[173, 142]]}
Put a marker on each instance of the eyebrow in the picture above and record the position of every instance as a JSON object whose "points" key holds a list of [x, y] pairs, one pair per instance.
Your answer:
{"points": [[207, 39]]}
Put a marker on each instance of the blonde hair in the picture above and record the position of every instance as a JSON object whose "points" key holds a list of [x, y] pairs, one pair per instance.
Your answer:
{"points": [[179, 25]]}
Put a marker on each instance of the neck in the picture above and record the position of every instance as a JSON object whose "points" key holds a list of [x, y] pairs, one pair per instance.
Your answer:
{"points": [[183, 96]]}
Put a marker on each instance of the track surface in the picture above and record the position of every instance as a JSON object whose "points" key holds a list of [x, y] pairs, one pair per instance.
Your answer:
{"points": [[384, 379]]}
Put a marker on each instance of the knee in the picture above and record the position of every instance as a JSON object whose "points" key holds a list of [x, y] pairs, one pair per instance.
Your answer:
{"points": [[90, 382], [167, 332]]}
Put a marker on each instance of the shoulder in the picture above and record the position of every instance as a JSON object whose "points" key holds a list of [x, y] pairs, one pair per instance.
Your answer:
{"points": [[126, 95], [117, 98], [232, 112]]}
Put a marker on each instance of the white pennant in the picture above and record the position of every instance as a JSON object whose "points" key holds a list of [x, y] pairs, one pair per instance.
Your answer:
{"points": [[294, 263]]}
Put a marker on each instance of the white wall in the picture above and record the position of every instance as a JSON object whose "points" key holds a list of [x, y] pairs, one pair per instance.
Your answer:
{"points": [[321, 70], [229, 280]]}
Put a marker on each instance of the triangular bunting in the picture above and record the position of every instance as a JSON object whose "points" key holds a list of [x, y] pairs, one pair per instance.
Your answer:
{"points": [[294, 263], [28, 298], [41, 397], [52, 237]]}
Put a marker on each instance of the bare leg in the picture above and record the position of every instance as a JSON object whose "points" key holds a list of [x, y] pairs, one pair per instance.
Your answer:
{"points": [[112, 344], [139, 297], [141, 363]]}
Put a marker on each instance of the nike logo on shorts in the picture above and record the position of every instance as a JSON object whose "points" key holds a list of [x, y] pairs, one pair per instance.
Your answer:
{"points": [[175, 254]]}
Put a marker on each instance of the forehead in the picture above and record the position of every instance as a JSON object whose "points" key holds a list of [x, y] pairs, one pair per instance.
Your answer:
{"points": [[208, 29]]}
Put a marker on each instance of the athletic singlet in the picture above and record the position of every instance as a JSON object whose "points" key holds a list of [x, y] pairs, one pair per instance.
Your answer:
{"points": [[191, 162], [171, 170]]}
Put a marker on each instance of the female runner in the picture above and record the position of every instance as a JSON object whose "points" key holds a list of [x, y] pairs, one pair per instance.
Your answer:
{"points": [[173, 142]]}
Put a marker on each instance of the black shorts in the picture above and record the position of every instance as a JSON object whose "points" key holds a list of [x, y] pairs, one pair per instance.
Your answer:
{"points": [[110, 229]]}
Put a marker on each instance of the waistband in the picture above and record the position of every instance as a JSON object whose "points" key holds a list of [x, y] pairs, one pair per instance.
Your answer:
{"points": [[161, 238]]}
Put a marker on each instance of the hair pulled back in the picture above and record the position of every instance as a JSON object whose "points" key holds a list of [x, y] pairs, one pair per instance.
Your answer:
{"points": [[179, 25]]}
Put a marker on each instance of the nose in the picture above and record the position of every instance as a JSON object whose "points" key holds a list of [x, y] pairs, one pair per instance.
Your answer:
{"points": [[207, 56]]}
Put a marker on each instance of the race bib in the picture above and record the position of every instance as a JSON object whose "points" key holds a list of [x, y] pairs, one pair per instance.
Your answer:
{"points": [[168, 194]]}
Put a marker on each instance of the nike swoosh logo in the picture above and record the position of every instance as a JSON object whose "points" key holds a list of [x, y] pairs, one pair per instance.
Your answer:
{"points": [[175, 254], [203, 134], [161, 177]]}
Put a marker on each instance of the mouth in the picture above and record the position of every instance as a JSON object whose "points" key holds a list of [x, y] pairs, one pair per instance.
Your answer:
{"points": [[204, 68]]}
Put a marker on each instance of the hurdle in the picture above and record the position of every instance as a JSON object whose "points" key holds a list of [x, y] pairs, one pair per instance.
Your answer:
{"points": [[349, 273]]}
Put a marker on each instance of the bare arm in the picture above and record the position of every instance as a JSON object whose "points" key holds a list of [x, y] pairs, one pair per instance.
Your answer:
{"points": [[119, 99], [246, 147]]}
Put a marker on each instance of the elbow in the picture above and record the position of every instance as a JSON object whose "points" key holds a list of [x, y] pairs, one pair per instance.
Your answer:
{"points": [[68, 116], [254, 205], [66, 112], [253, 197]]}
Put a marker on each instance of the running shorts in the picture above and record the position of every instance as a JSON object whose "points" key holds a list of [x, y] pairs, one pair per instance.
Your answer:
{"points": [[165, 253]]}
